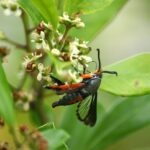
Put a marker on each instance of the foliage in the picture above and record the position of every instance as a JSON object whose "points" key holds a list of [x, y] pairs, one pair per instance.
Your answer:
{"points": [[124, 116], [133, 73], [6, 100]]}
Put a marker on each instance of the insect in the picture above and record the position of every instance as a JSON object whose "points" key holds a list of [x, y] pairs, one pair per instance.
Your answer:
{"points": [[83, 93]]}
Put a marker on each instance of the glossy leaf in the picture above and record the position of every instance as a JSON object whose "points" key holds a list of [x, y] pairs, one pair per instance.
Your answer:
{"points": [[133, 76], [86, 6], [41, 10], [95, 22], [6, 101], [29, 7], [56, 137], [126, 117]]}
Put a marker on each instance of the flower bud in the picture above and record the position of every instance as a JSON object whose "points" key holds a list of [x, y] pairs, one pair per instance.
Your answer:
{"points": [[3, 51], [30, 67], [24, 130], [55, 52], [1, 123]]}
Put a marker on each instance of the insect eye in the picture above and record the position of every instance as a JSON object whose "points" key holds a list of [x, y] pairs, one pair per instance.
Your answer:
{"points": [[94, 75]]}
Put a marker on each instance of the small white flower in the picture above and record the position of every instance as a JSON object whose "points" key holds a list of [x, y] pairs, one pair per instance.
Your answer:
{"points": [[45, 45], [85, 59], [42, 35], [74, 76], [7, 12], [65, 17], [83, 44], [72, 21], [32, 57], [35, 36], [40, 67], [73, 47], [39, 39], [59, 35], [43, 73], [80, 25], [26, 106], [18, 12], [55, 51], [39, 76], [26, 61]]}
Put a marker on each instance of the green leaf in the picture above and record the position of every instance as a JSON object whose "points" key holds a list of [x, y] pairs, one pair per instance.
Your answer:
{"points": [[86, 6], [125, 116], [56, 137], [95, 22], [6, 101], [41, 10], [133, 76], [32, 11]]}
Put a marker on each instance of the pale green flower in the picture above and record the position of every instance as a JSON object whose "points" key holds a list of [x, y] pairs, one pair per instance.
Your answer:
{"points": [[74, 76], [85, 59], [71, 21], [40, 41], [43, 73], [55, 52], [31, 58]]}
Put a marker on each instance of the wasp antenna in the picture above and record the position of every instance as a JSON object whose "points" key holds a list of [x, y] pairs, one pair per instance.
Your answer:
{"points": [[99, 61], [110, 72]]}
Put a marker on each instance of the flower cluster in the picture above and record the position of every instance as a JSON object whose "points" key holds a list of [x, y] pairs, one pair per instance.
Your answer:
{"points": [[23, 100], [10, 6], [4, 146], [29, 61], [34, 138], [71, 21], [66, 52]]}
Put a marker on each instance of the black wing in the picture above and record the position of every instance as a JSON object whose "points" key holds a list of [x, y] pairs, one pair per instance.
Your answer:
{"points": [[87, 110]]}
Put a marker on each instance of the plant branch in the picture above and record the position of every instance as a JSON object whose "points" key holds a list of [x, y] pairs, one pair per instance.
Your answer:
{"points": [[15, 138], [38, 105], [64, 37], [31, 30], [15, 43]]}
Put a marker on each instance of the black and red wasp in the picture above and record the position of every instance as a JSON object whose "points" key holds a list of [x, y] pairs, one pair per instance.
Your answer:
{"points": [[83, 93]]}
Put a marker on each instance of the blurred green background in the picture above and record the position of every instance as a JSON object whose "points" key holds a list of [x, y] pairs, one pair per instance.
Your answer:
{"points": [[128, 34]]}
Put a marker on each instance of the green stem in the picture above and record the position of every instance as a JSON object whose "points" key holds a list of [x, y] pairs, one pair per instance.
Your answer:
{"points": [[62, 41], [31, 30], [15, 138], [14, 43], [48, 37], [38, 105]]}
